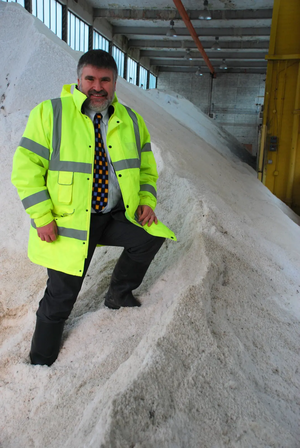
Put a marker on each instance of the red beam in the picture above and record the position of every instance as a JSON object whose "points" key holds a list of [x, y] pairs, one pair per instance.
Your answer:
{"points": [[194, 35]]}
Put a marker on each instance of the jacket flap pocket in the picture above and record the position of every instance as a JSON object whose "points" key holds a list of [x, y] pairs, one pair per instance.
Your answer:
{"points": [[65, 178], [65, 187]]}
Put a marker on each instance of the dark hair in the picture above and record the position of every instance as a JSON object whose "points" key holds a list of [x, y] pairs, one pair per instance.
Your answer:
{"points": [[97, 58]]}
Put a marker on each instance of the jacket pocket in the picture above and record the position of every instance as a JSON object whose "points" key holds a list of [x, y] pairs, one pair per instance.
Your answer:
{"points": [[65, 187]]}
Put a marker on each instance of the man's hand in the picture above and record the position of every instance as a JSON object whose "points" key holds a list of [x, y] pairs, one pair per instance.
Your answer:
{"points": [[146, 215], [48, 233]]}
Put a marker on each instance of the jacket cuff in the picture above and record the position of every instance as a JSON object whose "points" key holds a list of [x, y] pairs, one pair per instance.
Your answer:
{"points": [[146, 200], [44, 220]]}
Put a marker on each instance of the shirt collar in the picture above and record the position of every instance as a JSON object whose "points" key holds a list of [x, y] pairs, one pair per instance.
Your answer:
{"points": [[92, 113]]}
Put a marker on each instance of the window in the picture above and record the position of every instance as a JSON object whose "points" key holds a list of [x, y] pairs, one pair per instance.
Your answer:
{"points": [[99, 42], [78, 33], [143, 78], [118, 56], [152, 81], [50, 13], [131, 71]]}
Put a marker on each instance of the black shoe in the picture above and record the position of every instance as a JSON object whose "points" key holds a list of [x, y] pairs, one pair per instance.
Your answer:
{"points": [[116, 303], [46, 342]]}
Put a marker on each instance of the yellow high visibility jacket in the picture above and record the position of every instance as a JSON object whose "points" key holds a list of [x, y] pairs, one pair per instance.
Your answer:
{"points": [[52, 170]]}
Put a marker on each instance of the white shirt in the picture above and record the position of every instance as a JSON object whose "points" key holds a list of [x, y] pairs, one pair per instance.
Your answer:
{"points": [[114, 192]]}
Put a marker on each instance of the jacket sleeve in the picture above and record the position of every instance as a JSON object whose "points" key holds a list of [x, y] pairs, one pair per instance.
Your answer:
{"points": [[148, 170], [30, 165]]}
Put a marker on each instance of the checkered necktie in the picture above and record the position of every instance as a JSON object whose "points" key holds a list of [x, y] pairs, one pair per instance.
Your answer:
{"points": [[100, 181]]}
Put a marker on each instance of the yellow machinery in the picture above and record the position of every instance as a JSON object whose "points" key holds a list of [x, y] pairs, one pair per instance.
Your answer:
{"points": [[279, 154]]}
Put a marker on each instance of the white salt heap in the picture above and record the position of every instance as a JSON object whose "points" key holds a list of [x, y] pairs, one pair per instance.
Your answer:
{"points": [[211, 359]]}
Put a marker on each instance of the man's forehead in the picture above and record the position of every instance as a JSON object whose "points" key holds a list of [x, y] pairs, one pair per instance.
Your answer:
{"points": [[92, 70]]}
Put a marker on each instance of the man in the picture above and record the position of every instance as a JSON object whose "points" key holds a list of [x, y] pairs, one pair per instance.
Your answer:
{"points": [[86, 175]]}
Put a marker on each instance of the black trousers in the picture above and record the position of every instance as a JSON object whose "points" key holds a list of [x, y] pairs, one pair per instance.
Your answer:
{"points": [[110, 229]]}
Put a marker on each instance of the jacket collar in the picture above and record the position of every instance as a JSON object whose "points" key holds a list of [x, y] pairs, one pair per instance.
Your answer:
{"points": [[79, 97]]}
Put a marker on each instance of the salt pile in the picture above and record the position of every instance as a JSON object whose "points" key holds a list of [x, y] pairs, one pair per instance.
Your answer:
{"points": [[211, 359]]}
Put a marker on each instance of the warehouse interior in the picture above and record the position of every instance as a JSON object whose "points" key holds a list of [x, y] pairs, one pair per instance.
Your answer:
{"points": [[218, 54]]}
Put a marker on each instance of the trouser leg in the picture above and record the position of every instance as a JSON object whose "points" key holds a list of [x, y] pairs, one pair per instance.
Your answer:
{"points": [[127, 276], [59, 297], [139, 245], [46, 342], [54, 308], [139, 250]]}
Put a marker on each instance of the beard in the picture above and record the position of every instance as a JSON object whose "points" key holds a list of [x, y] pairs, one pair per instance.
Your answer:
{"points": [[98, 106], [95, 106]]}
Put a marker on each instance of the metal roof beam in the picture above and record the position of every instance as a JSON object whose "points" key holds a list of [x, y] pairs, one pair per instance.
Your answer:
{"points": [[212, 54], [201, 32], [177, 44], [230, 63], [192, 70], [163, 14]]}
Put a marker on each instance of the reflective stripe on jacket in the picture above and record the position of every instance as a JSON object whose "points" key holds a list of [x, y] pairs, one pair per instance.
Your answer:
{"points": [[53, 168]]}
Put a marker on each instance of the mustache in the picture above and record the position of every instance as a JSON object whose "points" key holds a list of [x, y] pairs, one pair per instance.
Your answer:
{"points": [[98, 92]]}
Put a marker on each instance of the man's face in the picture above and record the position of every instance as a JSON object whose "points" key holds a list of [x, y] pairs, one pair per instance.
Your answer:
{"points": [[99, 85]]}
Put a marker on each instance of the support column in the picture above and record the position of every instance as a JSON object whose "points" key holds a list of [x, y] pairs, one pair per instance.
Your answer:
{"points": [[138, 74], [125, 65], [210, 96], [28, 5], [91, 37], [279, 155], [65, 23]]}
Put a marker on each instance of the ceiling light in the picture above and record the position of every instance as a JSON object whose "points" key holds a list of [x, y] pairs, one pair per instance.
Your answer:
{"points": [[188, 54], [171, 32], [216, 45], [205, 14], [198, 72], [223, 66]]}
